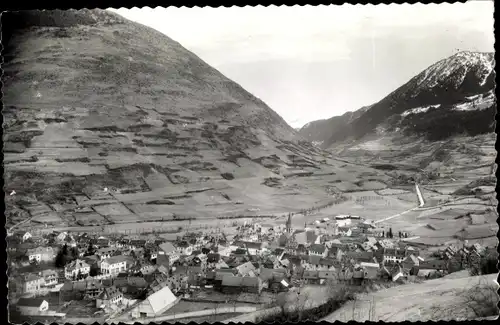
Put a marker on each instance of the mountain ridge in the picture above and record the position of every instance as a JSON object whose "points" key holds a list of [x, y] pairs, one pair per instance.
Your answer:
{"points": [[446, 84], [108, 121]]}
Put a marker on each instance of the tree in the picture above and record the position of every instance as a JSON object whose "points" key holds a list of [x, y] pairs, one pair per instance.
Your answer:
{"points": [[94, 270], [91, 249], [383, 233], [399, 233]]}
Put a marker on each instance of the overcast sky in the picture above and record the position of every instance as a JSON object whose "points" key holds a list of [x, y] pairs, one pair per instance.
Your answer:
{"points": [[310, 63]]}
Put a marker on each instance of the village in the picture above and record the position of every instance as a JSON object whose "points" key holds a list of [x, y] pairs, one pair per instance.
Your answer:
{"points": [[85, 277]]}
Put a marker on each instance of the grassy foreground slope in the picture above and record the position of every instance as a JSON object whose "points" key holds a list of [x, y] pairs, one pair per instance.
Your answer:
{"points": [[439, 299], [107, 121]]}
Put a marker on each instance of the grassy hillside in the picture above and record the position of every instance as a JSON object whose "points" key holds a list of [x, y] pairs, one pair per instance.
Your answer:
{"points": [[108, 121], [439, 299]]}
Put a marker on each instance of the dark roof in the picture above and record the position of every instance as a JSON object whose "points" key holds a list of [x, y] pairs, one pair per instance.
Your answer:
{"points": [[137, 282], [109, 293], [183, 244], [30, 302], [317, 248], [314, 259], [213, 257], [311, 236]]}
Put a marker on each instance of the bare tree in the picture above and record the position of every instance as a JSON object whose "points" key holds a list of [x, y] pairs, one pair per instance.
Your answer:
{"points": [[482, 299]]}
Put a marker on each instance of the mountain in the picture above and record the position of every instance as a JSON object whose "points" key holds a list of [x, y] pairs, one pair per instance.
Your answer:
{"points": [[320, 131], [453, 96], [107, 121]]}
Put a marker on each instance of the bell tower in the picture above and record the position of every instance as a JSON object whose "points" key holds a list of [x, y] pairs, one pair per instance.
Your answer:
{"points": [[289, 224]]}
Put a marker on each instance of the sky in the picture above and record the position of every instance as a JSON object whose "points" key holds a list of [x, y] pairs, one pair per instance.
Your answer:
{"points": [[316, 62]]}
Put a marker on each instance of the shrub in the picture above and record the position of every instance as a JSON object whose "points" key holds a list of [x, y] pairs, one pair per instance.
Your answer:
{"points": [[227, 176]]}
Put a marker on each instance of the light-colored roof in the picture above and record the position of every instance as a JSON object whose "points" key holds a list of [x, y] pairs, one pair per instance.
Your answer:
{"points": [[245, 268], [366, 264], [167, 247], [116, 259], [160, 299]]}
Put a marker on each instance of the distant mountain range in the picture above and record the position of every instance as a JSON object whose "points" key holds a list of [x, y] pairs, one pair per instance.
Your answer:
{"points": [[453, 96]]}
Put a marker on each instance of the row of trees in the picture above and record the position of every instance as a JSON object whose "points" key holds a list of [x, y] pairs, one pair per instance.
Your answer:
{"points": [[389, 234]]}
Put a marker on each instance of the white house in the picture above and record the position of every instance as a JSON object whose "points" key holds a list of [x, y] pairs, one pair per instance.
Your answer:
{"points": [[105, 252], [114, 265], [184, 248], [50, 277], [32, 283], [76, 267], [318, 250], [41, 254], [26, 236]]}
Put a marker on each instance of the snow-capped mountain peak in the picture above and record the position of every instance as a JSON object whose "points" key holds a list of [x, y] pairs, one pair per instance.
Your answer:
{"points": [[455, 68]]}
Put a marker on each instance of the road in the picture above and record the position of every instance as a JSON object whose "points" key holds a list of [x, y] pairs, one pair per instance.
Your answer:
{"points": [[421, 205]]}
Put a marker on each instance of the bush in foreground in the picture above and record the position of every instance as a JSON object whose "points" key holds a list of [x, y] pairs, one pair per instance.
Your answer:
{"points": [[482, 299]]}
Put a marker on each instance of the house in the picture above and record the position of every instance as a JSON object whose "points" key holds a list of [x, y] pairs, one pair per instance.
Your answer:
{"points": [[410, 262], [358, 257], [310, 276], [184, 248], [114, 265], [411, 251], [246, 269], [397, 273], [393, 255], [50, 278], [137, 243], [92, 289], [67, 293], [281, 286], [26, 236], [433, 265], [232, 283], [102, 242], [61, 237], [135, 285], [167, 249], [75, 268], [41, 254], [32, 306], [318, 250], [254, 248], [105, 252], [155, 304], [32, 283], [344, 231], [272, 275], [109, 296], [371, 270]]}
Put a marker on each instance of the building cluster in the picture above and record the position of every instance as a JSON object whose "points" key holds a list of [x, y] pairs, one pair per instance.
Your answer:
{"points": [[156, 272]]}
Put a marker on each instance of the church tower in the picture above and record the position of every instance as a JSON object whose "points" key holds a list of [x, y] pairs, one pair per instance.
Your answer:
{"points": [[289, 224]]}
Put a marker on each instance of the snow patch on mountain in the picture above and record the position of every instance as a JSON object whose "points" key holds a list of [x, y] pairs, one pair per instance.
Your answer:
{"points": [[418, 110], [480, 102]]}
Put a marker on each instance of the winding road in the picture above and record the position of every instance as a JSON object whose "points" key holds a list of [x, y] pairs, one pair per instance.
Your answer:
{"points": [[421, 205]]}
